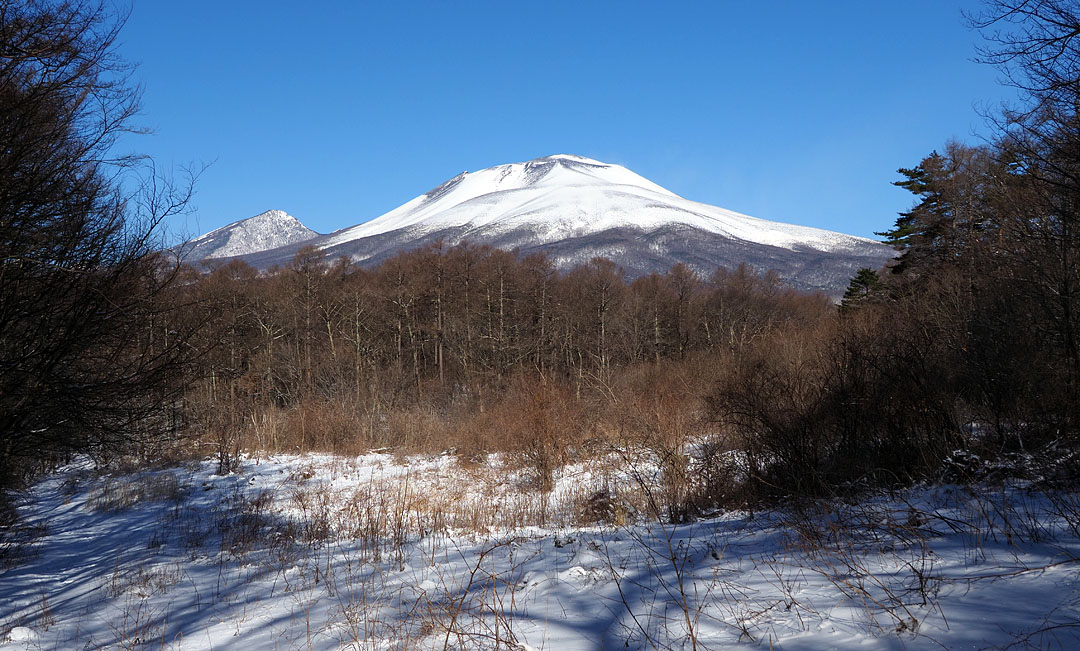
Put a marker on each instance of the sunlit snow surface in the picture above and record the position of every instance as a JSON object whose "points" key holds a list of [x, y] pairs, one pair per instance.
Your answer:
{"points": [[265, 558], [566, 196]]}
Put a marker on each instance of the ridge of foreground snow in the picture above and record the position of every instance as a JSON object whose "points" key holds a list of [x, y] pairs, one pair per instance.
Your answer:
{"points": [[281, 555]]}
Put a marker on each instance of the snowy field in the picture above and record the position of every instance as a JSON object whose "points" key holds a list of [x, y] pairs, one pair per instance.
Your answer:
{"points": [[380, 552]]}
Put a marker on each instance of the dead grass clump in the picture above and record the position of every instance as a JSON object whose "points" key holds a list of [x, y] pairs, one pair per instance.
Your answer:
{"points": [[542, 422], [113, 494], [315, 426], [473, 433], [315, 521], [245, 523], [601, 507], [144, 580], [301, 474], [477, 609], [419, 429], [340, 426], [661, 424]]}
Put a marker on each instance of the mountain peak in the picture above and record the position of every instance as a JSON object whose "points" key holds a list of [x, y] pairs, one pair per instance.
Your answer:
{"points": [[574, 158], [272, 215], [267, 230], [477, 199]]}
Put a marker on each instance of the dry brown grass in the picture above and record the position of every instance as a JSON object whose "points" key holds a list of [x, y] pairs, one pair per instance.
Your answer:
{"points": [[651, 414], [117, 493]]}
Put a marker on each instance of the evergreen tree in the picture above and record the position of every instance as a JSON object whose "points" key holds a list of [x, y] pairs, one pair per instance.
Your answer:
{"points": [[918, 181], [956, 194], [863, 285]]}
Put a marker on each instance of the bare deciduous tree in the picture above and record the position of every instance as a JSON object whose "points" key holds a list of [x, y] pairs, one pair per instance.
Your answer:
{"points": [[88, 353]]}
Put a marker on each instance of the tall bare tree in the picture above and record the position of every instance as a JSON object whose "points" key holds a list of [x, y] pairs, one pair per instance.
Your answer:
{"points": [[88, 353], [1036, 45]]}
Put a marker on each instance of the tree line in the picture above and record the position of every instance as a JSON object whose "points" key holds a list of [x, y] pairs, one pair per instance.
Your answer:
{"points": [[453, 328]]}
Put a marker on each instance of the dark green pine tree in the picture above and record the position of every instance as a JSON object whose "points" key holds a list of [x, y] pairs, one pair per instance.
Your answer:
{"points": [[957, 195], [861, 288], [915, 227]]}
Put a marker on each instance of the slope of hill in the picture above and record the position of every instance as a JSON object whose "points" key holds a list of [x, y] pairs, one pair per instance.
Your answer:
{"points": [[563, 197]]}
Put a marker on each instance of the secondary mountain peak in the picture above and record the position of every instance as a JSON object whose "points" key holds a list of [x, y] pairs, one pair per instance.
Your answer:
{"points": [[265, 231]]}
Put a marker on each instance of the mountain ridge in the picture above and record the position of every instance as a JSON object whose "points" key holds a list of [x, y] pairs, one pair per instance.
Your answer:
{"points": [[575, 208]]}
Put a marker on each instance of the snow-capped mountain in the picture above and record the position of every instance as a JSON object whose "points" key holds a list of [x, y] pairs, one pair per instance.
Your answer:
{"points": [[268, 230], [561, 197], [575, 208]]}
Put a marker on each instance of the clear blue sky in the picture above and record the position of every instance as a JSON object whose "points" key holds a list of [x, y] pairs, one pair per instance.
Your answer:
{"points": [[337, 112]]}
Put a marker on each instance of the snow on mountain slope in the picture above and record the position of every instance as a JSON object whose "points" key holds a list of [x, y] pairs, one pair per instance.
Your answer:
{"points": [[565, 196], [572, 209], [268, 230]]}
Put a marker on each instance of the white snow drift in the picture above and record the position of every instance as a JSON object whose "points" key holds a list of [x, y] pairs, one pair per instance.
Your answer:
{"points": [[309, 552]]}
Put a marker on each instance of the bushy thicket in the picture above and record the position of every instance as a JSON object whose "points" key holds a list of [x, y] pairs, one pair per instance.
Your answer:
{"points": [[467, 347], [890, 389]]}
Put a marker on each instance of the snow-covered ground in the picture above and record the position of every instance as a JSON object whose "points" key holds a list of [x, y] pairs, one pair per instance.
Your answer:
{"points": [[381, 552]]}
